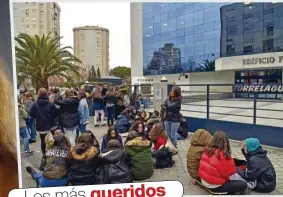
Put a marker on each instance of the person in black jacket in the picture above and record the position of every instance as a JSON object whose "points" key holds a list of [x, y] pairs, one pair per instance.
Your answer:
{"points": [[44, 112], [173, 116], [83, 161], [69, 114], [260, 173], [114, 165]]}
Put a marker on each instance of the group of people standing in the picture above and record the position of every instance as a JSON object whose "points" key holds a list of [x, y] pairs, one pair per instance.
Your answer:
{"points": [[147, 145], [150, 143]]}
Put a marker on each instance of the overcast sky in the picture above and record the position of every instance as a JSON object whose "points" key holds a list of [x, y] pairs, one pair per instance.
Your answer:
{"points": [[114, 16]]}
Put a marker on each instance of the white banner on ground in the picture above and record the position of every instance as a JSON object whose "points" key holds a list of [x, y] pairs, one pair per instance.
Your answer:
{"points": [[145, 189]]}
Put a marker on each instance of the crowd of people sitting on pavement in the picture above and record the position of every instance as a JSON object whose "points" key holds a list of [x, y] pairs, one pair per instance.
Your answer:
{"points": [[135, 143]]}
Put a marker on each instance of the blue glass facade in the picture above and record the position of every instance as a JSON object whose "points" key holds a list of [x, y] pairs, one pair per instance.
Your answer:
{"points": [[188, 37]]}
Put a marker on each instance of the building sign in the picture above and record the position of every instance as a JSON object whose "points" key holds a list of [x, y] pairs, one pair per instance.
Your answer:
{"points": [[158, 94], [264, 60], [258, 88]]}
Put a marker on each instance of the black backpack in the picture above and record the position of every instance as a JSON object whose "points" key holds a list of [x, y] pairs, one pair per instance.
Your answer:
{"points": [[164, 158]]}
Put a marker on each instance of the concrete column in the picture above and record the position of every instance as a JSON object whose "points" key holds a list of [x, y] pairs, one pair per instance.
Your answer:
{"points": [[159, 94]]}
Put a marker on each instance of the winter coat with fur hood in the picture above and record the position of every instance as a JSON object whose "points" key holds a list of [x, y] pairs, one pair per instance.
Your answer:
{"points": [[140, 157], [83, 165]]}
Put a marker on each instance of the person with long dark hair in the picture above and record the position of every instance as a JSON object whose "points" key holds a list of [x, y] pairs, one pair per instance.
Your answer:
{"points": [[173, 115], [217, 166], [140, 128], [83, 161], [110, 100], [112, 134], [98, 107]]}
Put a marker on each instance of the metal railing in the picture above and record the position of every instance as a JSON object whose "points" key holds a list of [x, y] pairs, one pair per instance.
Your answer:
{"points": [[219, 102]]}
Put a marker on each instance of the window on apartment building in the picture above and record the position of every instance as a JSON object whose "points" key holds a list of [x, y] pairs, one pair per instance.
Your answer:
{"points": [[34, 19], [248, 48], [41, 12], [27, 12], [268, 45], [82, 36], [27, 25], [41, 5], [33, 11], [41, 26], [268, 30], [82, 50], [34, 25], [230, 49], [22, 20], [34, 3], [248, 8]]}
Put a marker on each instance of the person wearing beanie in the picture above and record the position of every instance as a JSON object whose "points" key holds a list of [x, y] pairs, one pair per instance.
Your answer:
{"points": [[114, 165], [83, 161], [260, 170]]}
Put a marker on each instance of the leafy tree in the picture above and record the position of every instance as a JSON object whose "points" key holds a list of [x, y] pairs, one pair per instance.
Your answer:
{"points": [[98, 73], [89, 77], [208, 66], [121, 71], [93, 74], [41, 57]]}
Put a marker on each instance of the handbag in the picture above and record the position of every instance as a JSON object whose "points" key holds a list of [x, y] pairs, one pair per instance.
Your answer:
{"points": [[171, 147]]}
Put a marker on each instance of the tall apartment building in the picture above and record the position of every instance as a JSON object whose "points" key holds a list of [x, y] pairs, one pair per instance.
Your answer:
{"points": [[91, 46], [37, 18]]}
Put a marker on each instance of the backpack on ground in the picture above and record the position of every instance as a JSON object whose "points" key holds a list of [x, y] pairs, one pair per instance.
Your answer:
{"points": [[119, 173], [164, 158]]}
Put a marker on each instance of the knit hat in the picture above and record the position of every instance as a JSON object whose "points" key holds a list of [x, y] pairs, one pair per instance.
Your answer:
{"points": [[252, 144]]}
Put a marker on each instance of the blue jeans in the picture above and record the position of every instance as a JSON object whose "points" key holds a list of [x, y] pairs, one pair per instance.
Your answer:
{"points": [[24, 136], [172, 130], [81, 129], [31, 128], [110, 115], [43, 182]]}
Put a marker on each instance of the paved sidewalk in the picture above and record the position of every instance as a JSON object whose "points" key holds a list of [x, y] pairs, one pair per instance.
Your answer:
{"points": [[178, 172]]}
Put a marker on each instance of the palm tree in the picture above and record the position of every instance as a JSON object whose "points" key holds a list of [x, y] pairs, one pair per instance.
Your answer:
{"points": [[41, 57]]}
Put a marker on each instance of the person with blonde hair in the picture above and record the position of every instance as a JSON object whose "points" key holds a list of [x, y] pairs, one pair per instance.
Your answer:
{"points": [[98, 106], [54, 162], [8, 140]]}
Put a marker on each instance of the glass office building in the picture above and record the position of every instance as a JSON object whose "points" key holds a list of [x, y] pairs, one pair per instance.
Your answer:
{"points": [[188, 37]]}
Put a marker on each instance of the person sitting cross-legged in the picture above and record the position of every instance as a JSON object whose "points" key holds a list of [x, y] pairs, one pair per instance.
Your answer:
{"points": [[114, 165], [260, 174], [83, 161], [138, 148], [112, 134], [54, 161]]}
